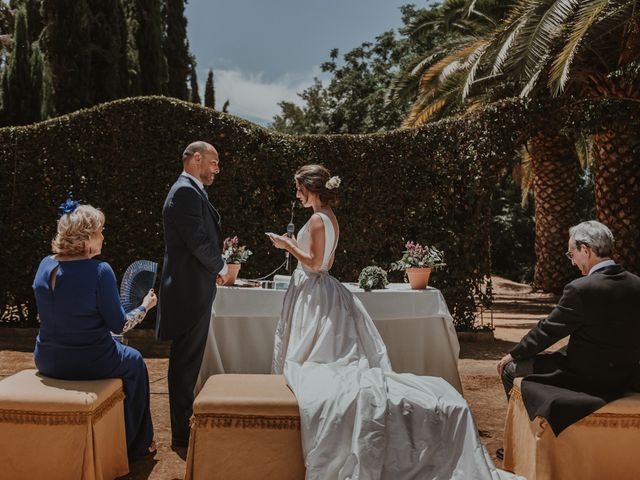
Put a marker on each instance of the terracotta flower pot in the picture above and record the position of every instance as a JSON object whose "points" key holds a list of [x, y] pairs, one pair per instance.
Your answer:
{"points": [[418, 277], [234, 268]]}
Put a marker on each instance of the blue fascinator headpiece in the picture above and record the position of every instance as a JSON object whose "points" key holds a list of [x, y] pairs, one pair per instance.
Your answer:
{"points": [[68, 206]]}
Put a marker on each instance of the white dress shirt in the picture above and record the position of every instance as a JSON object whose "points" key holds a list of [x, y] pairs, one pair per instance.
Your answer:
{"points": [[225, 269], [602, 264], [198, 182]]}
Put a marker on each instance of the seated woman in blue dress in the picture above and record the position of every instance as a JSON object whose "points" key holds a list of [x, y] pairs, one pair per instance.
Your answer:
{"points": [[79, 306]]}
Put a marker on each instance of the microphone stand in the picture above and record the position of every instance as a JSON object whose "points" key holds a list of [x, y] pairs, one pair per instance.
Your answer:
{"points": [[290, 229]]}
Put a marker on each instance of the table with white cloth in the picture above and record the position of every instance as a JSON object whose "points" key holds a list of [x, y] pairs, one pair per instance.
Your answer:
{"points": [[416, 327]]}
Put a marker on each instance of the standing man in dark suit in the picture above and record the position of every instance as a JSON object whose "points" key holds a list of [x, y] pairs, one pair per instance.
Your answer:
{"points": [[600, 312], [192, 262]]}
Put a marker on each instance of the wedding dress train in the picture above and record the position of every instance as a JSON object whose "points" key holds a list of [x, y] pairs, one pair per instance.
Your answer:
{"points": [[359, 419]]}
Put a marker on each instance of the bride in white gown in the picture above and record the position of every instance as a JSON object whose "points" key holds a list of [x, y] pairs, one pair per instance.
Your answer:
{"points": [[359, 419]]}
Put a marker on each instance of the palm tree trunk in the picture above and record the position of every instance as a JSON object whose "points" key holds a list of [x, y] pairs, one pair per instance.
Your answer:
{"points": [[555, 174], [616, 172], [616, 169]]}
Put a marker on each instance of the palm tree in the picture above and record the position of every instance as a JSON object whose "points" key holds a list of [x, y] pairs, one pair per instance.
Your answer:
{"points": [[585, 49], [599, 48], [435, 76], [448, 85], [555, 171]]}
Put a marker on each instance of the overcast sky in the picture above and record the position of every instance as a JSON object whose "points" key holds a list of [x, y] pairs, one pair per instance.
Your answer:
{"points": [[265, 51]]}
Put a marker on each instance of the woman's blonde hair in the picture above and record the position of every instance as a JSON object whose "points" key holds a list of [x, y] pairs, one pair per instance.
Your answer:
{"points": [[75, 229]]}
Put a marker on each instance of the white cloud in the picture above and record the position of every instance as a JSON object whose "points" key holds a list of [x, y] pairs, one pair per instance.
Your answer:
{"points": [[254, 98]]}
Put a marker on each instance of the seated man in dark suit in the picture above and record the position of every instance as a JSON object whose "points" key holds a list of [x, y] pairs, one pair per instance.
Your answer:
{"points": [[600, 312]]}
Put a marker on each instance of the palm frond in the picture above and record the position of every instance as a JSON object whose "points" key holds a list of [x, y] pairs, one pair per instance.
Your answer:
{"points": [[545, 33], [469, 7], [588, 13], [406, 83], [419, 67], [438, 102], [454, 63], [529, 12], [424, 20], [474, 60], [503, 52], [525, 174], [531, 82], [416, 109], [427, 113], [401, 87], [448, 64]]}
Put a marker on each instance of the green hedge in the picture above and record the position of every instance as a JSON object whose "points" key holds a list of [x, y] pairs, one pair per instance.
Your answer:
{"points": [[431, 184]]}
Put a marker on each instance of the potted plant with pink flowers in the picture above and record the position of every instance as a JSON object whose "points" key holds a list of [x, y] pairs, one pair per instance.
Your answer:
{"points": [[417, 262], [235, 255]]}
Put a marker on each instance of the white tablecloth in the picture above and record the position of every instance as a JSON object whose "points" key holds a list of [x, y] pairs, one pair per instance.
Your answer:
{"points": [[415, 325]]}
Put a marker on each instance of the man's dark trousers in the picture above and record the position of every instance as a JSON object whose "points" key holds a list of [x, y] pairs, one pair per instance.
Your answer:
{"points": [[185, 359]]}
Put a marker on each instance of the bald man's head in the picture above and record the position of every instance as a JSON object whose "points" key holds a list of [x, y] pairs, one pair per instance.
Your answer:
{"points": [[196, 147], [200, 159]]}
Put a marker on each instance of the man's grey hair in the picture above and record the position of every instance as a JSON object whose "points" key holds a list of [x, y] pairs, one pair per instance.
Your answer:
{"points": [[195, 147], [595, 235]]}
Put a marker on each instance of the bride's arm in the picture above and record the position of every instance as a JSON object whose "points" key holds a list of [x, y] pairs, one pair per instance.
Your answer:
{"points": [[313, 258]]}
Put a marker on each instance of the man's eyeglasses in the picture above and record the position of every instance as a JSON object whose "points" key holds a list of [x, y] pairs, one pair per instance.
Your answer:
{"points": [[569, 253]]}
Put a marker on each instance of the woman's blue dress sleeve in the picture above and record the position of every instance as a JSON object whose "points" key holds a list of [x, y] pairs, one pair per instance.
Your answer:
{"points": [[109, 305]]}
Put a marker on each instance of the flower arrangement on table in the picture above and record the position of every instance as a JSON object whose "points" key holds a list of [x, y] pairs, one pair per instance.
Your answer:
{"points": [[372, 278], [234, 254], [418, 261]]}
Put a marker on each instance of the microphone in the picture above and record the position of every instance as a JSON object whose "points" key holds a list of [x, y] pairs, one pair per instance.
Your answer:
{"points": [[290, 229]]}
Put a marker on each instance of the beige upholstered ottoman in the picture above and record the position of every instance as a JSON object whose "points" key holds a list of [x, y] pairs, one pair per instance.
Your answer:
{"points": [[603, 445], [58, 429], [245, 427]]}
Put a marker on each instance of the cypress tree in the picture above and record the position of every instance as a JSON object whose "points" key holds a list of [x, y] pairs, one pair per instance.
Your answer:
{"points": [[16, 78], [6, 30], [66, 43], [108, 36], [225, 107], [209, 93], [84, 43], [146, 57], [4, 120], [176, 49], [134, 80], [47, 108], [34, 18], [37, 84], [194, 94]]}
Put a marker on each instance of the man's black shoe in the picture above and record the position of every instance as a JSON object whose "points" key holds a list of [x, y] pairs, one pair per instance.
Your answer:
{"points": [[500, 453]]}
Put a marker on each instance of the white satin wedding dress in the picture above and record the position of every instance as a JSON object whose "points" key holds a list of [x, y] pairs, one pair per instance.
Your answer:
{"points": [[359, 419]]}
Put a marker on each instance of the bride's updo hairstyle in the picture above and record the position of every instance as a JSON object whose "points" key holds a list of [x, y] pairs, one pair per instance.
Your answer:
{"points": [[318, 180]]}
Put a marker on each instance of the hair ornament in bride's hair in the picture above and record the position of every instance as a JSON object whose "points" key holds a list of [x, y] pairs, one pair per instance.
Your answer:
{"points": [[68, 206], [333, 183]]}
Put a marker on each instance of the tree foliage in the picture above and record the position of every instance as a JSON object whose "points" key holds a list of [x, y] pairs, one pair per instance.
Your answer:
{"points": [[194, 93], [535, 47], [209, 92], [147, 62], [90, 52], [22, 79], [176, 49], [84, 45], [355, 100]]}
